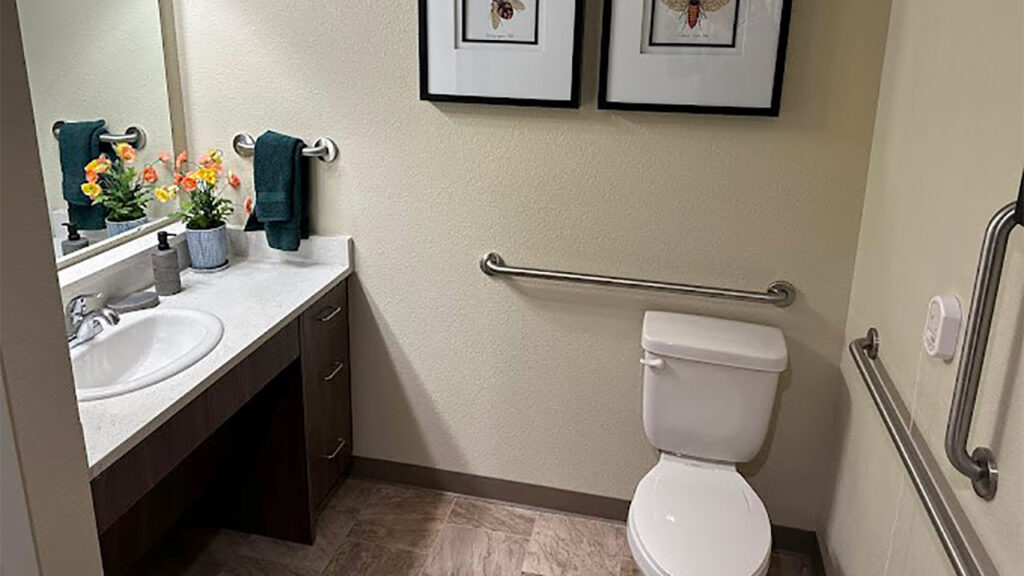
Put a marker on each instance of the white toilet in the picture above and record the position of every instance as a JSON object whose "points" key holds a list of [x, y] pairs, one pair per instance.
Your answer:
{"points": [[709, 386]]}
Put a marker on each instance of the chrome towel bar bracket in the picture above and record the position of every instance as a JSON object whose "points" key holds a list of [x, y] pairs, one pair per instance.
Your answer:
{"points": [[980, 464], [779, 293], [134, 135], [324, 149]]}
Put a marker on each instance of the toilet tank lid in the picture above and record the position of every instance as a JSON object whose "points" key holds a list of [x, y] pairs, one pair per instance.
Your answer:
{"points": [[715, 341]]}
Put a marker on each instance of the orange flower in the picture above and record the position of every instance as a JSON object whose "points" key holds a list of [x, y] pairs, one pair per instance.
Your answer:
{"points": [[91, 176], [248, 204], [178, 177], [203, 159], [149, 175], [233, 180], [181, 159], [125, 151], [189, 184], [163, 157]]}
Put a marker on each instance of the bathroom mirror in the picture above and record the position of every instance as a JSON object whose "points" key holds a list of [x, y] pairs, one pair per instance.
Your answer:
{"points": [[99, 74]]}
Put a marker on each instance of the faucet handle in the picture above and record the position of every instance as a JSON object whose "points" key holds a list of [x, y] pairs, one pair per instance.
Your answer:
{"points": [[77, 304]]}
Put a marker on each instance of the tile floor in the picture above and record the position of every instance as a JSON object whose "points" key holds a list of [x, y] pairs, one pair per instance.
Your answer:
{"points": [[373, 529]]}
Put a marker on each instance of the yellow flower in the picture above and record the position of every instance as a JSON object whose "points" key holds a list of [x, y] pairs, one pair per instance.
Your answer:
{"points": [[215, 156], [163, 194], [208, 175], [98, 166], [91, 189]]}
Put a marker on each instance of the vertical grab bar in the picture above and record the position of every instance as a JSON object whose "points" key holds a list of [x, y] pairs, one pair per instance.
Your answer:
{"points": [[980, 465]]}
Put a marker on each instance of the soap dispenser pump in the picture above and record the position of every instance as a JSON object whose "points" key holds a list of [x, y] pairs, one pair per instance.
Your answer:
{"points": [[166, 274], [74, 241]]}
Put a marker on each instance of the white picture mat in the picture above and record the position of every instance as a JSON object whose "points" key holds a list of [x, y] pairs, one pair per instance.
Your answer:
{"points": [[534, 72], [739, 77]]}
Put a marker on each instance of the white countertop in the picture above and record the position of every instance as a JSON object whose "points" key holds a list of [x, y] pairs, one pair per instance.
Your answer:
{"points": [[255, 296]]}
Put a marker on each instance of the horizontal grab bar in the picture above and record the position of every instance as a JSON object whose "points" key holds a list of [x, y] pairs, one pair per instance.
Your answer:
{"points": [[324, 149], [963, 548], [779, 293], [134, 135]]}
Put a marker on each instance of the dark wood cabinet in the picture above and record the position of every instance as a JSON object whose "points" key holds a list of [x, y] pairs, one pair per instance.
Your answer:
{"points": [[327, 391], [257, 451]]}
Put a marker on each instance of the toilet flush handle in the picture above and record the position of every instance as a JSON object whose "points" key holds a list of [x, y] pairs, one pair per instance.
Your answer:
{"points": [[653, 363]]}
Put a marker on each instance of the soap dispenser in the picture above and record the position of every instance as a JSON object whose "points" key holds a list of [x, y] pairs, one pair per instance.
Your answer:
{"points": [[74, 241], [166, 273]]}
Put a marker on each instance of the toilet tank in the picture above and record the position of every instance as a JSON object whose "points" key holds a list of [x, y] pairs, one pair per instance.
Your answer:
{"points": [[709, 384]]}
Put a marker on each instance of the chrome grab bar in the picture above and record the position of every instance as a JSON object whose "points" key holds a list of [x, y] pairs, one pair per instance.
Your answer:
{"points": [[980, 465], [134, 135], [324, 149], [965, 551], [780, 293]]}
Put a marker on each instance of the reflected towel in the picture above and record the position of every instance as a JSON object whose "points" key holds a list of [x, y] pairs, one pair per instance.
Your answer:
{"points": [[79, 144]]}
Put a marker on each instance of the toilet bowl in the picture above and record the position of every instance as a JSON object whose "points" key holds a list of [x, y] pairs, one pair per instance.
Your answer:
{"points": [[691, 518], [709, 387]]}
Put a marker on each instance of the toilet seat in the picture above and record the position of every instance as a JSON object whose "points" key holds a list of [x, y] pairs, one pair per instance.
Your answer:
{"points": [[692, 518]]}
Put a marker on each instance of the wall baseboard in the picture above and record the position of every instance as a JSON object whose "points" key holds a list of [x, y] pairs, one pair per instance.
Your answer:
{"points": [[493, 488], [783, 538]]}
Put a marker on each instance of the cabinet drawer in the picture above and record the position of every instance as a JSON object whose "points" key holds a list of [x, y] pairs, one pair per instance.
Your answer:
{"points": [[327, 391]]}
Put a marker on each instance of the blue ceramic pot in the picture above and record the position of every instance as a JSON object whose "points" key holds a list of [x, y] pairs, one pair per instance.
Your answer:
{"points": [[208, 249], [115, 228]]}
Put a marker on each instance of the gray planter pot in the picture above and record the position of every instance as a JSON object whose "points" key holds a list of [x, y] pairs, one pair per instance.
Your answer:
{"points": [[115, 228], [208, 249]]}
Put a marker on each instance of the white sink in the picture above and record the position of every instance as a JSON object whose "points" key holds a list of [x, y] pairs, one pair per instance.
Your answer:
{"points": [[143, 349]]}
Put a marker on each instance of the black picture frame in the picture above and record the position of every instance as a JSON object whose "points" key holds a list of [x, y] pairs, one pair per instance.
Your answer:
{"points": [[577, 64], [534, 42], [772, 110]]}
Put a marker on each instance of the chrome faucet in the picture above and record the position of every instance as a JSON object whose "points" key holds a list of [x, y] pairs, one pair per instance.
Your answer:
{"points": [[82, 326]]}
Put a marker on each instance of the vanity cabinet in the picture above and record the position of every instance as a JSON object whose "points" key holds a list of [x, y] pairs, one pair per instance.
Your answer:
{"points": [[327, 391], [257, 451]]}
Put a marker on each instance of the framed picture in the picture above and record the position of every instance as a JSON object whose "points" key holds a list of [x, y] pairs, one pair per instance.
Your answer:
{"points": [[704, 56], [515, 52]]}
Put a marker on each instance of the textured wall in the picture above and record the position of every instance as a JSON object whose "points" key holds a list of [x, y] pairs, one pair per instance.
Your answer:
{"points": [[947, 152], [89, 60], [538, 383]]}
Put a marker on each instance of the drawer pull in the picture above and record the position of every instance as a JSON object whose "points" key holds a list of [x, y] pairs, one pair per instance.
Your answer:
{"points": [[333, 455], [328, 316], [334, 371]]}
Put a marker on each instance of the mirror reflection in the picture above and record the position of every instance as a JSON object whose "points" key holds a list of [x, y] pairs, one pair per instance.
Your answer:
{"points": [[103, 122]]}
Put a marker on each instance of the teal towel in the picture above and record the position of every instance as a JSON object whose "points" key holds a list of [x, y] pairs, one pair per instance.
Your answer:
{"points": [[79, 144], [282, 191]]}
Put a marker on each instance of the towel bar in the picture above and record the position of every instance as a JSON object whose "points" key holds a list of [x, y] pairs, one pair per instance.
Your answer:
{"points": [[780, 293], [324, 149], [134, 135]]}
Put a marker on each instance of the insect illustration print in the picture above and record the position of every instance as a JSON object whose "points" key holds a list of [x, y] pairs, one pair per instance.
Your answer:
{"points": [[693, 12], [504, 10]]}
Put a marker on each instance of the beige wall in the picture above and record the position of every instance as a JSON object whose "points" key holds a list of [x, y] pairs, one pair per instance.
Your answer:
{"points": [[947, 153], [40, 392], [535, 383]]}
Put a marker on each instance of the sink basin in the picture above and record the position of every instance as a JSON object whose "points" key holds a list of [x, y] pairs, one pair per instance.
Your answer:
{"points": [[143, 349]]}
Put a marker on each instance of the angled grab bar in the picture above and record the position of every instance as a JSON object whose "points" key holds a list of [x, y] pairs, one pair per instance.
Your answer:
{"points": [[780, 293], [980, 464], [966, 553]]}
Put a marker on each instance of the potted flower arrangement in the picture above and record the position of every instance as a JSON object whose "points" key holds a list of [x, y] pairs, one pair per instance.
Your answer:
{"points": [[119, 186], [202, 208]]}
